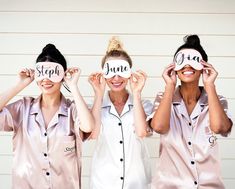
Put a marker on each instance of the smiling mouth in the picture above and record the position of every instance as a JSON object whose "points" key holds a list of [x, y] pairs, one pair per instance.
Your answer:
{"points": [[47, 85], [188, 72], [117, 84]]}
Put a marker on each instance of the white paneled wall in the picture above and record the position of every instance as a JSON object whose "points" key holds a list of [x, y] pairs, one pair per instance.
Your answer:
{"points": [[151, 31]]}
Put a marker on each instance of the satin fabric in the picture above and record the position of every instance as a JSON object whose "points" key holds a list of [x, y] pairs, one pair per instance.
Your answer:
{"points": [[189, 152], [43, 158]]}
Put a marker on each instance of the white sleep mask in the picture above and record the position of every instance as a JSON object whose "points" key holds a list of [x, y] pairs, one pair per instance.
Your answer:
{"points": [[116, 67], [188, 57], [49, 70]]}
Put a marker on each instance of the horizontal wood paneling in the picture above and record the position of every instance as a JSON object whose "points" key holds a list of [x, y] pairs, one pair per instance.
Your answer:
{"points": [[179, 6], [86, 44], [5, 180], [108, 23]]}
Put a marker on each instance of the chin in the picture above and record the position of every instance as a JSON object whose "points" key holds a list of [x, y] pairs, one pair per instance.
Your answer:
{"points": [[50, 91], [117, 88]]}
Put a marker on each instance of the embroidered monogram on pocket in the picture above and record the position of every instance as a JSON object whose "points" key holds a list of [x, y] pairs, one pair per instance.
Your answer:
{"points": [[69, 145], [210, 136]]}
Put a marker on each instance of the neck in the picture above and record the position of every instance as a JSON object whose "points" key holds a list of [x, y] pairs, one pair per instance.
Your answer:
{"points": [[119, 97], [190, 92], [48, 101]]}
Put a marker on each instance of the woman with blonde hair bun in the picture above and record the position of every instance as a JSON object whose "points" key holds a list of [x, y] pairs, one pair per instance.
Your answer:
{"points": [[120, 159]]}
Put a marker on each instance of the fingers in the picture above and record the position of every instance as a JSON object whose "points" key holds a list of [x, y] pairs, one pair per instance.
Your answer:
{"points": [[25, 71], [138, 75], [31, 72], [208, 68], [28, 72], [141, 72], [71, 71], [206, 64], [170, 67], [169, 70], [97, 76]]}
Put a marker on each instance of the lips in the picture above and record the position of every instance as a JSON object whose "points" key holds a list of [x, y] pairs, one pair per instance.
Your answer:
{"points": [[117, 84], [47, 85], [188, 72]]}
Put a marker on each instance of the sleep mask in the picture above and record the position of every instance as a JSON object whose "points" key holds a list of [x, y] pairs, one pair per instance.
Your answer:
{"points": [[49, 70], [188, 57], [116, 67]]}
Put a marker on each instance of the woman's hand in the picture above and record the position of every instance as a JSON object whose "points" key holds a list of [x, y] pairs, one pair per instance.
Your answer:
{"points": [[137, 81], [26, 76], [71, 76], [169, 75], [98, 83], [209, 74]]}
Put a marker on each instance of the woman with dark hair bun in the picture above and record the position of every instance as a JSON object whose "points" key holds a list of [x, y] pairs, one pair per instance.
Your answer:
{"points": [[47, 130], [188, 118]]}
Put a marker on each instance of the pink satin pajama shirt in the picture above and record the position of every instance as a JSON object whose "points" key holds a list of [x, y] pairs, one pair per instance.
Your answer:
{"points": [[44, 158]]}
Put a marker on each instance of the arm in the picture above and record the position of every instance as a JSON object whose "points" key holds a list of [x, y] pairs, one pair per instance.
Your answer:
{"points": [[26, 76], [137, 82], [86, 119], [219, 121], [98, 83], [161, 119]]}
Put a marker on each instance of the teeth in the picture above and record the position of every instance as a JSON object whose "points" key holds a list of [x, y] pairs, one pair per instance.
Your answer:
{"points": [[116, 84], [187, 72]]}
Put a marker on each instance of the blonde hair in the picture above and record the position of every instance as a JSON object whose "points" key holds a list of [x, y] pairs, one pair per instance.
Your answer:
{"points": [[115, 44], [115, 49]]}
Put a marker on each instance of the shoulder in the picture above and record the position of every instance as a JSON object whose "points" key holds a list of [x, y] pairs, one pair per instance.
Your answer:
{"points": [[25, 101]]}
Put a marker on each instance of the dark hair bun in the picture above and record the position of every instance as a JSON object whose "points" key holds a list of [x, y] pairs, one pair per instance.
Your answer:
{"points": [[51, 54], [48, 48], [192, 40]]}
